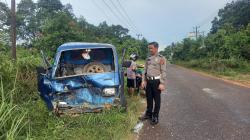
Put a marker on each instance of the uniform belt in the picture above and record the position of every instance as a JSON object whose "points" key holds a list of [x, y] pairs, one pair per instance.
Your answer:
{"points": [[154, 78]]}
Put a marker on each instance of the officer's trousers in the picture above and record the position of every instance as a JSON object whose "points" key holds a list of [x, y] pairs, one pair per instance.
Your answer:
{"points": [[153, 95]]}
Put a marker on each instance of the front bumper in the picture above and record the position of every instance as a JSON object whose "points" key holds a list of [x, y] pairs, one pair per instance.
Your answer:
{"points": [[61, 109], [82, 101]]}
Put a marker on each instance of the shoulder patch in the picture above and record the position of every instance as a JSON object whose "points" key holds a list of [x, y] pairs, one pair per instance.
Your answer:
{"points": [[162, 62]]}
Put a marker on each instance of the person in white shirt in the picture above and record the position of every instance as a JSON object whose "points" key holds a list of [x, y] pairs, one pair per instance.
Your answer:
{"points": [[131, 74]]}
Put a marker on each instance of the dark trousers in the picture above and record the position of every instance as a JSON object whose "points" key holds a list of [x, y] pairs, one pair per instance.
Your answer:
{"points": [[153, 95]]}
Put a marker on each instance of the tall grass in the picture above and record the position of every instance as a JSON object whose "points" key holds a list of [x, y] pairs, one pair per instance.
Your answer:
{"points": [[11, 116]]}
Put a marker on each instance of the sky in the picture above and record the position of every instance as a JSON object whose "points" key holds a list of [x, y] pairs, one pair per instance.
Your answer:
{"points": [[164, 21]]}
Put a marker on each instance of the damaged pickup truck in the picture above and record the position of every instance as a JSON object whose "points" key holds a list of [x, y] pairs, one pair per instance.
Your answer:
{"points": [[85, 77]]}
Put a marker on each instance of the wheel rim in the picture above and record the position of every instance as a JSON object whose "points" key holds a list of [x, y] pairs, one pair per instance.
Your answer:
{"points": [[95, 69]]}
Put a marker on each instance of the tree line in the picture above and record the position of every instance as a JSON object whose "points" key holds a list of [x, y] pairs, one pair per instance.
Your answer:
{"points": [[228, 39], [46, 24]]}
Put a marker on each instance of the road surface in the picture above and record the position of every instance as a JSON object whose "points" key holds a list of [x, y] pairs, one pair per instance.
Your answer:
{"points": [[196, 107]]}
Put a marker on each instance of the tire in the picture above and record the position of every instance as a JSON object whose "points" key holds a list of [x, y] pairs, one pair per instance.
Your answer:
{"points": [[94, 67]]}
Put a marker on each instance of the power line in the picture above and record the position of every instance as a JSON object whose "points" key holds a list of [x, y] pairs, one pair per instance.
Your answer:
{"points": [[111, 10], [124, 17], [114, 13], [126, 14], [102, 11]]}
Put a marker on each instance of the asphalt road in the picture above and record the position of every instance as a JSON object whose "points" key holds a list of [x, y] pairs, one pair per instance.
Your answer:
{"points": [[196, 107]]}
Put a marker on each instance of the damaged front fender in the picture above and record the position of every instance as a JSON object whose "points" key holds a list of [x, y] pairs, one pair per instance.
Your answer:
{"points": [[77, 84]]}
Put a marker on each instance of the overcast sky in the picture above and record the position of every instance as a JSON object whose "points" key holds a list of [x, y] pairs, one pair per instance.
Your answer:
{"points": [[164, 21]]}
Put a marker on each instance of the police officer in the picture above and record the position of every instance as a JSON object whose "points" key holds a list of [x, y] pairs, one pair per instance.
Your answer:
{"points": [[154, 82]]}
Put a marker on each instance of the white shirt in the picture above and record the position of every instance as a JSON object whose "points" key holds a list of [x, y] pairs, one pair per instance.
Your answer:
{"points": [[131, 71]]}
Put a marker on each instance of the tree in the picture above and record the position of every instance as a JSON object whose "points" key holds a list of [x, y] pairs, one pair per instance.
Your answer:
{"points": [[49, 6], [245, 43], [236, 13], [68, 9], [57, 31], [26, 20], [4, 25], [4, 16], [48, 24], [46, 10]]}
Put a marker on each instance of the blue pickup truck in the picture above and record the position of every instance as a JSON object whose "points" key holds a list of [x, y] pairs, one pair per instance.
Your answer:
{"points": [[84, 77]]}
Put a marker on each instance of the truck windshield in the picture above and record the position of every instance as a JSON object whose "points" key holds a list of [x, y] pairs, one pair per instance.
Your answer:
{"points": [[85, 61]]}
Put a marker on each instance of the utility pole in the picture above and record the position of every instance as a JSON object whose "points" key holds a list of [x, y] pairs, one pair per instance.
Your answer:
{"points": [[203, 36], [138, 36], [196, 31], [13, 28]]}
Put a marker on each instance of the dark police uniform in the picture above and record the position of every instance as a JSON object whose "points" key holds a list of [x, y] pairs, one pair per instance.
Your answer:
{"points": [[155, 74]]}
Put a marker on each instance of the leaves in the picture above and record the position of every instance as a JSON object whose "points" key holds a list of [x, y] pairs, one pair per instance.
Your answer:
{"points": [[48, 23], [228, 39], [236, 13]]}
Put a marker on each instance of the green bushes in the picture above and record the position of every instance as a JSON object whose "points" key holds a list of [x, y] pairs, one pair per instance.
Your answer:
{"points": [[20, 74], [225, 50], [221, 66]]}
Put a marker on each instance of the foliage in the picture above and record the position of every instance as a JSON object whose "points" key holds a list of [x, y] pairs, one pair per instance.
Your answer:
{"points": [[57, 31], [235, 13], [227, 47], [48, 24], [4, 16], [26, 20]]}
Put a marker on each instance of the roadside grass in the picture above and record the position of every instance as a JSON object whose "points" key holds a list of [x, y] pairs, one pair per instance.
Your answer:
{"points": [[109, 124], [26, 116], [241, 77], [231, 69], [11, 116]]}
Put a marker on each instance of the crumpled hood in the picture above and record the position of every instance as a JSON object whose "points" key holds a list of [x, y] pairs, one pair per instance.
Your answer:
{"points": [[84, 93], [100, 80]]}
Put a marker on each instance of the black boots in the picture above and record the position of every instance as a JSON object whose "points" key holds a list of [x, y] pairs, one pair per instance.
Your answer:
{"points": [[154, 120]]}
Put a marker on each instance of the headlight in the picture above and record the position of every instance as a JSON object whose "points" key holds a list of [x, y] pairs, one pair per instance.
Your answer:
{"points": [[109, 91]]}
